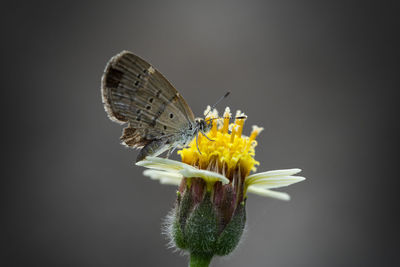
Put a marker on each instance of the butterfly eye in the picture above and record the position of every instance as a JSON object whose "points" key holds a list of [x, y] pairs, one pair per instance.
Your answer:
{"points": [[171, 115], [151, 100], [165, 127], [148, 107]]}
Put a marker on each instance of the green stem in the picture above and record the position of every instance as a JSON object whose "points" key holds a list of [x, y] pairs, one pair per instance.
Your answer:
{"points": [[197, 260]]}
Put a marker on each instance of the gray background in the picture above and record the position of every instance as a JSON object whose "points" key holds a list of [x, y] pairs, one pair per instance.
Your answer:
{"points": [[320, 77]]}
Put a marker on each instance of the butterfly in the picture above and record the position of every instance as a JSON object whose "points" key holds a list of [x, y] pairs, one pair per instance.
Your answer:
{"points": [[157, 116]]}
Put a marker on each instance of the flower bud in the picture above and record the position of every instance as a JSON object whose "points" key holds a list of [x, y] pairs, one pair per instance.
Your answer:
{"points": [[207, 220]]}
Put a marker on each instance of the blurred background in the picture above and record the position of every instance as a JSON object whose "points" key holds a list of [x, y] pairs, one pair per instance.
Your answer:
{"points": [[321, 78]]}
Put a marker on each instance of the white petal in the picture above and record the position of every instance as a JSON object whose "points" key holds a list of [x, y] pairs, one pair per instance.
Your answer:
{"points": [[164, 177], [162, 164], [268, 174], [156, 175], [206, 175], [268, 193], [170, 181], [276, 182], [286, 172], [180, 168]]}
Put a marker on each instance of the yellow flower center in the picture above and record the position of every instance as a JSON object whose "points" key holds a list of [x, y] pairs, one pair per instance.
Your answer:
{"points": [[228, 150]]}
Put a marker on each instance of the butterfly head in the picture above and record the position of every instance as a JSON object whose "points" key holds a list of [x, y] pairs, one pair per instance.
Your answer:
{"points": [[203, 125]]}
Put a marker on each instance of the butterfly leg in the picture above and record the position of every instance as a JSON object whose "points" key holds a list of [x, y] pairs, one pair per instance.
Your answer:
{"points": [[197, 144], [169, 152], [206, 136]]}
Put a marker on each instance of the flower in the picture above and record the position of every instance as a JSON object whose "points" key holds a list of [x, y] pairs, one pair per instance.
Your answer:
{"points": [[214, 180], [218, 159]]}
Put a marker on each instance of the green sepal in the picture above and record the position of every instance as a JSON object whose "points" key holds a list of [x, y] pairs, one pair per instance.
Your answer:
{"points": [[201, 229], [177, 235], [231, 235]]}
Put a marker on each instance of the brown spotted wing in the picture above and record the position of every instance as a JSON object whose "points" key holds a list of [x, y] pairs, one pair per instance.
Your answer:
{"points": [[136, 94]]}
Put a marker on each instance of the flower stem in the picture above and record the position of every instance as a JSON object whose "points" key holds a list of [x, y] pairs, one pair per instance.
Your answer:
{"points": [[197, 260]]}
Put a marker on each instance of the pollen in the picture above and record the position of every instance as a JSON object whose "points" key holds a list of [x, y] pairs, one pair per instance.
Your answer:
{"points": [[226, 150]]}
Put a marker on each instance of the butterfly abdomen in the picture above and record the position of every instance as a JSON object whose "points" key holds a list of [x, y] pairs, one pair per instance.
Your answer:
{"points": [[154, 148]]}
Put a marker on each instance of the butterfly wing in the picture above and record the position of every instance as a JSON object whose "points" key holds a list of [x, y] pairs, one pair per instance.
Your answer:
{"points": [[136, 93]]}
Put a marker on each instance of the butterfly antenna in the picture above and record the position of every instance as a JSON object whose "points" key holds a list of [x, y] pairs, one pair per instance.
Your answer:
{"points": [[216, 103]]}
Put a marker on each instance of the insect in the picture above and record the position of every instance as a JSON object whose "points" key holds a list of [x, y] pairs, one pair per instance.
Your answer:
{"points": [[158, 117]]}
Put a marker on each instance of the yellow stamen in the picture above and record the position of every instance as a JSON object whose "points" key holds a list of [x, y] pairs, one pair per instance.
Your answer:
{"points": [[240, 122], [227, 116], [229, 149], [214, 128], [233, 134], [256, 131]]}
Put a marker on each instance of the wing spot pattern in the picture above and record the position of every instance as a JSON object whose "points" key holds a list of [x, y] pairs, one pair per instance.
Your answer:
{"points": [[126, 75], [162, 109]]}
